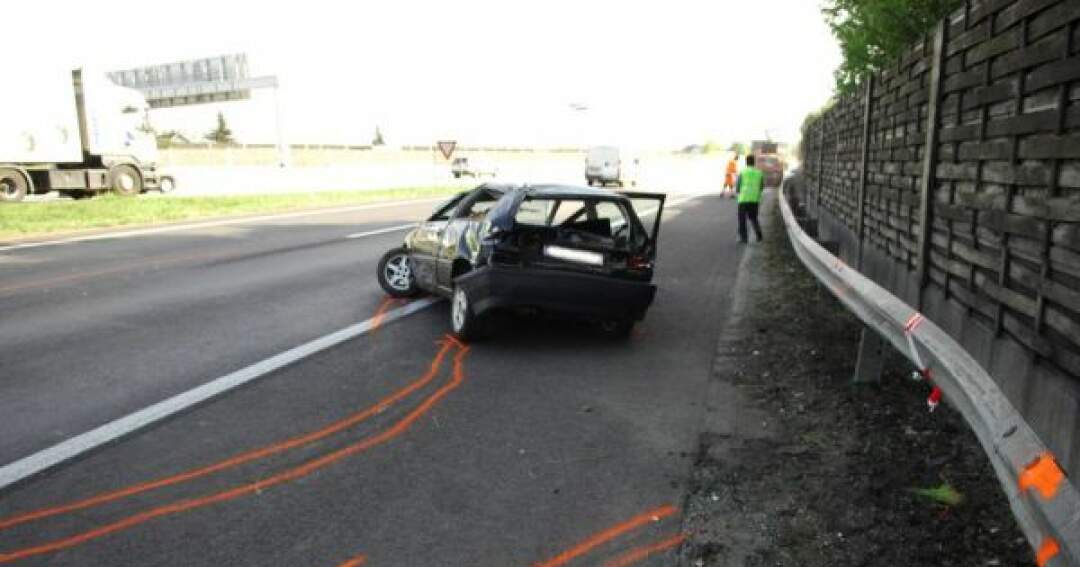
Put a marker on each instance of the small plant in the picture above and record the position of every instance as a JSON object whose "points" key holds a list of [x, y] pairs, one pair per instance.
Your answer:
{"points": [[943, 494]]}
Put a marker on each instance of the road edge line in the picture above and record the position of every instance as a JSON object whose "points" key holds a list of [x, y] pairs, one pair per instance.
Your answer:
{"points": [[64, 451]]}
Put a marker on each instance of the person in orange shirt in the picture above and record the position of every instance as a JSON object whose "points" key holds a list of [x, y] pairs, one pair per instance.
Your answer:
{"points": [[729, 177]]}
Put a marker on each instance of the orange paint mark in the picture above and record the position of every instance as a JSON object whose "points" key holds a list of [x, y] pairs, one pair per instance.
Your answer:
{"points": [[654, 515], [249, 456], [1044, 475], [355, 561], [1047, 551], [641, 553], [286, 476], [380, 313]]}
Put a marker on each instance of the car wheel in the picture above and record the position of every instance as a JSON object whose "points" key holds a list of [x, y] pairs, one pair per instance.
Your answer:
{"points": [[457, 175], [617, 328], [167, 184], [463, 320], [126, 180], [396, 274]]}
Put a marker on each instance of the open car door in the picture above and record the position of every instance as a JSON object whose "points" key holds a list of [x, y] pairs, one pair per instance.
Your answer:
{"points": [[649, 207]]}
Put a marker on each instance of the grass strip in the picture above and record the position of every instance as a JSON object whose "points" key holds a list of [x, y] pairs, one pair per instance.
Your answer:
{"points": [[19, 220]]}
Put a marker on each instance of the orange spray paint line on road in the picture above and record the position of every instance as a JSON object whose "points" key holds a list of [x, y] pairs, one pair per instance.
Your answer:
{"points": [[639, 554], [355, 561], [380, 313], [286, 476], [654, 515], [247, 457]]}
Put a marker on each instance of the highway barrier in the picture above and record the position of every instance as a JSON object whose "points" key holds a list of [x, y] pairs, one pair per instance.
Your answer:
{"points": [[1045, 502]]}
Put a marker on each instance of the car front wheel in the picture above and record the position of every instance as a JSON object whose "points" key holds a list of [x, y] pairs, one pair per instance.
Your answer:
{"points": [[463, 320], [396, 274]]}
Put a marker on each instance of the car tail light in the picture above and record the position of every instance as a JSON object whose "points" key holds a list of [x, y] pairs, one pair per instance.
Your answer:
{"points": [[638, 262]]}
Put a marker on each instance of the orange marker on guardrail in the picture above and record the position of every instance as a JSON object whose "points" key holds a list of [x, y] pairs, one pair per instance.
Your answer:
{"points": [[1047, 551], [1044, 475]]}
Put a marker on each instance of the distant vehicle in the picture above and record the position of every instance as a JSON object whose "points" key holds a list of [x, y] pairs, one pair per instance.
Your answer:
{"points": [[603, 166], [764, 147], [462, 167], [77, 133], [572, 251], [773, 168]]}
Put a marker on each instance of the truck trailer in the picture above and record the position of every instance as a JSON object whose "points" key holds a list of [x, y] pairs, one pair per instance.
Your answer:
{"points": [[75, 132]]}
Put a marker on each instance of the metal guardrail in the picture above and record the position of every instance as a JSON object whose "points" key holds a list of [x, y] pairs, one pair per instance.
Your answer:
{"points": [[1045, 503]]}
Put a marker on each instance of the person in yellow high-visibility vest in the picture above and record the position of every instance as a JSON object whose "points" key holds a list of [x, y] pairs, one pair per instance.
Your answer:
{"points": [[750, 185]]}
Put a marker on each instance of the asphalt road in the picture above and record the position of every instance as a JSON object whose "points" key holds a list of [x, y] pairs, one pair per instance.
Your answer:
{"points": [[546, 439]]}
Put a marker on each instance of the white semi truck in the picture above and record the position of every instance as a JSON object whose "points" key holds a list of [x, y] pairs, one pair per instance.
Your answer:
{"points": [[75, 132]]}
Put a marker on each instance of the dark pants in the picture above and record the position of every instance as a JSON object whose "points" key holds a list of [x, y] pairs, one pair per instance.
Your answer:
{"points": [[748, 211]]}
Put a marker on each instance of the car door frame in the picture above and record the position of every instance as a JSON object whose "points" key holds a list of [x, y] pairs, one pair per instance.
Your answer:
{"points": [[424, 241], [654, 237], [447, 249]]}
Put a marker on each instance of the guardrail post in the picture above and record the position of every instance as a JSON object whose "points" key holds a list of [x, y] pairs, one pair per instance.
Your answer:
{"points": [[871, 359], [930, 153], [867, 101], [820, 161]]}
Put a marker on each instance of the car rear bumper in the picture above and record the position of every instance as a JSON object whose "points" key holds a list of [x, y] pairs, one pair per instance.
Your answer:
{"points": [[556, 291]]}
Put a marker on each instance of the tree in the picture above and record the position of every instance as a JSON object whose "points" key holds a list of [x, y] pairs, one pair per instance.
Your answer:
{"points": [[739, 148], [167, 139], [378, 141], [872, 33], [222, 134], [800, 150]]}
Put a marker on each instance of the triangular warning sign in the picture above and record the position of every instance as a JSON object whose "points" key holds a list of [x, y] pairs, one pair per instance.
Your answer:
{"points": [[446, 147]]}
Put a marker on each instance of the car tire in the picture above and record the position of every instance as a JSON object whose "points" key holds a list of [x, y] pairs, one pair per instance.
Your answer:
{"points": [[126, 180], [13, 186], [167, 184], [463, 320], [457, 175], [619, 329], [395, 274]]}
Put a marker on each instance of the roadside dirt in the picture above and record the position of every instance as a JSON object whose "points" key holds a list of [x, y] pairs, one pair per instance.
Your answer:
{"points": [[814, 470]]}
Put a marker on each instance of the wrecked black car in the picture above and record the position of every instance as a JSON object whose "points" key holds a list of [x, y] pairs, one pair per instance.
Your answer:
{"points": [[559, 249]]}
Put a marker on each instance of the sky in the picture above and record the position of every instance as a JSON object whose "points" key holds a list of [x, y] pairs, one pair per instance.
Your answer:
{"points": [[650, 74]]}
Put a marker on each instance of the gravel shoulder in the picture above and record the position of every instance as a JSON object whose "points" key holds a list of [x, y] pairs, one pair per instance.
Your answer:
{"points": [[798, 466]]}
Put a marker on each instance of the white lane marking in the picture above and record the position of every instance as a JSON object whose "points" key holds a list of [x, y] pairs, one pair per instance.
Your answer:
{"points": [[381, 231], [206, 224], [65, 450]]}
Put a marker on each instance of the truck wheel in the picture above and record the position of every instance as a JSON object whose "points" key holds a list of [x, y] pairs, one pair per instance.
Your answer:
{"points": [[13, 186], [463, 320], [395, 274], [167, 184], [126, 180]]}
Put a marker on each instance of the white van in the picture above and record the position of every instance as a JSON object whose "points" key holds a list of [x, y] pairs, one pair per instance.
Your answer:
{"points": [[603, 166]]}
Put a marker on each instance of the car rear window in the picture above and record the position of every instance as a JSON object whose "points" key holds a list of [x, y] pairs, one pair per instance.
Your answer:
{"points": [[599, 218]]}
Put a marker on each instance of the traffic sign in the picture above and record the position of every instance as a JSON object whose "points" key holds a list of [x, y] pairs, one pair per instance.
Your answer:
{"points": [[446, 147]]}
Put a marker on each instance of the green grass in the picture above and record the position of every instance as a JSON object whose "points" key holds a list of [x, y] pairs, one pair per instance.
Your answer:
{"points": [[32, 219]]}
